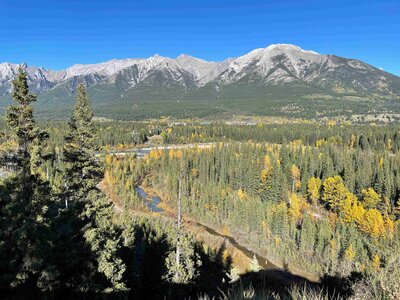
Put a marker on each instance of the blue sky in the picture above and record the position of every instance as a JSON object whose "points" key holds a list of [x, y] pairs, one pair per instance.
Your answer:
{"points": [[56, 34]]}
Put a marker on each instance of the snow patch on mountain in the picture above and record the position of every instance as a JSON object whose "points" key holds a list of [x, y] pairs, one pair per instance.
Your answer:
{"points": [[275, 64]]}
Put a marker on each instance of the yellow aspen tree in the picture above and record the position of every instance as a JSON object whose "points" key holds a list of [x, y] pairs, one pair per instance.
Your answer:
{"points": [[264, 175], [171, 153], [350, 253], [351, 210], [389, 226], [295, 206], [347, 208], [313, 189], [108, 159], [381, 162], [358, 212], [334, 192], [376, 262], [267, 163], [178, 153], [373, 223], [370, 197], [320, 143], [295, 174]]}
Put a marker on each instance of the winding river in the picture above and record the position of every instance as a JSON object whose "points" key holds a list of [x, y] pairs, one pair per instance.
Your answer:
{"points": [[152, 203]]}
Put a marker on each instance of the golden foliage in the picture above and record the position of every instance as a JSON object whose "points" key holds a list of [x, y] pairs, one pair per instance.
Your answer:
{"points": [[376, 262], [370, 198], [295, 172], [352, 211], [242, 195], [175, 153], [264, 175], [267, 163], [319, 143], [334, 192], [109, 159], [373, 223], [333, 218], [155, 154], [389, 226], [267, 171], [331, 123], [350, 253], [194, 172], [381, 162], [313, 189], [296, 143], [295, 206]]}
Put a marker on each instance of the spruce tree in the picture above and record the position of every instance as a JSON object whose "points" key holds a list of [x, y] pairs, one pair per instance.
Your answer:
{"points": [[92, 240], [24, 202], [183, 263]]}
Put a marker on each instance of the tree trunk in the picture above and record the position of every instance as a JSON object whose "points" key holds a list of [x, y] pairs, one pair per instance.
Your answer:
{"points": [[179, 223]]}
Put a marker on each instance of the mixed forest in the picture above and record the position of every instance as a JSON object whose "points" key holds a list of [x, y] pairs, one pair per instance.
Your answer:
{"points": [[317, 206]]}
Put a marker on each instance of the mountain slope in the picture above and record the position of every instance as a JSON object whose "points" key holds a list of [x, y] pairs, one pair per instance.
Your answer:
{"points": [[280, 79]]}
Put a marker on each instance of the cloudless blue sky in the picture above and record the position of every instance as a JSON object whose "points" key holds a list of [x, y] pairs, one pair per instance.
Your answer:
{"points": [[58, 33]]}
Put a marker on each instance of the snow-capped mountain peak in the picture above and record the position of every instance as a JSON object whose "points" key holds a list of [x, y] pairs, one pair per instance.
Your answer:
{"points": [[276, 64], [198, 67]]}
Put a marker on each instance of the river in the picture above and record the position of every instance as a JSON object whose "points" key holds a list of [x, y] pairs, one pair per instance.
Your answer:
{"points": [[152, 203]]}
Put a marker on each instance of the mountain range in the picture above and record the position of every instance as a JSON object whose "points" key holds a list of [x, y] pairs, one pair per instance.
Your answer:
{"points": [[280, 79]]}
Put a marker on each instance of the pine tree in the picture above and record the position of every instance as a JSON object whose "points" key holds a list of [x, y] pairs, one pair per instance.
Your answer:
{"points": [[25, 199], [183, 263], [349, 175], [186, 270], [92, 240], [81, 171]]}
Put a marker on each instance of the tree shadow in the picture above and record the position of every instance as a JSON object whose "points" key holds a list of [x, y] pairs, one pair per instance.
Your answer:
{"points": [[282, 281], [337, 285], [148, 268]]}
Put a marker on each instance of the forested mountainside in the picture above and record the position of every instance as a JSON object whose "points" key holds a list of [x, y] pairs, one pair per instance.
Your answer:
{"points": [[280, 80]]}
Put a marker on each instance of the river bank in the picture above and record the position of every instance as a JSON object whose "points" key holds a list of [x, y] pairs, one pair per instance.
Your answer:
{"points": [[215, 238]]}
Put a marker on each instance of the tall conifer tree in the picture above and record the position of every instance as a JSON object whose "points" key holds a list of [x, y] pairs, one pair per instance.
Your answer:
{"points": [[24, 201], [94, 239]]}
